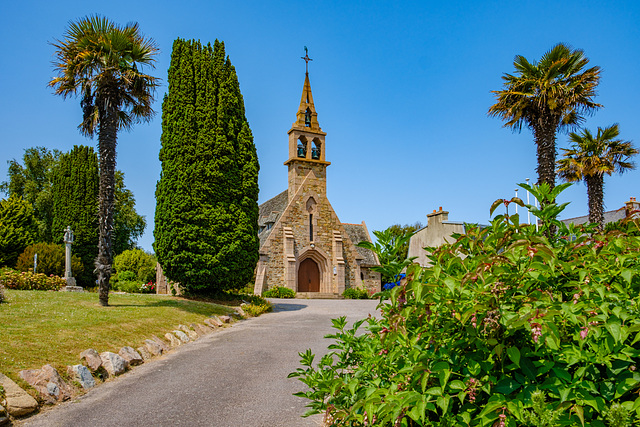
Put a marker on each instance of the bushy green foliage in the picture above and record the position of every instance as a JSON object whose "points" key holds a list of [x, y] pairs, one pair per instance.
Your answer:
{"points": [[279, 292], [28, 281], [391, 247], [206, 234], [51, 260], [140, 265], [355, 293], [404, 230], [32, 180], [18, 228], [75, 205], [521, 330]]}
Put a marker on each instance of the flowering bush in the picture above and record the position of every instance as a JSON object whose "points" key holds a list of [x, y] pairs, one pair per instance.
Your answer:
{"points": [[134, 287], [2, 298], [527, 329], [27, 280], [148, 288]]}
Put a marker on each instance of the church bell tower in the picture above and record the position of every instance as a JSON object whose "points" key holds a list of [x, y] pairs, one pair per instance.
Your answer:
{"points": [[306, 144]]}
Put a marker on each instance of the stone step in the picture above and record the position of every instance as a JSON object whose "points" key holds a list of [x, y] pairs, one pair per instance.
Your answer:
{"points": [[318, 295]]}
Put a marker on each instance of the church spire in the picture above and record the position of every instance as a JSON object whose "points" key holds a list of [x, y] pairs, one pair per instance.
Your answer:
{"points": [[306, 117]]}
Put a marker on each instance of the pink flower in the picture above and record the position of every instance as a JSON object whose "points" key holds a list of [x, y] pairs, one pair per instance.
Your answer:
{"points": [[472, 389], [473, 321], [536, 331], [584, 332], [503, 418]]}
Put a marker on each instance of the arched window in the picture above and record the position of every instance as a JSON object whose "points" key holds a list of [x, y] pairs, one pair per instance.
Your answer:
{"points": [[315, 150], [307, 118], [302, 148], [311, 208]]}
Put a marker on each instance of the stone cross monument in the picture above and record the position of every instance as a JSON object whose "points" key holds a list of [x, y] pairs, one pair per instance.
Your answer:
{"points": [[68, 277]]}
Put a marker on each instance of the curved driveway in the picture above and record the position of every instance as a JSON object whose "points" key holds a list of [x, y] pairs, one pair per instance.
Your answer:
{"points": [[233, 377]]}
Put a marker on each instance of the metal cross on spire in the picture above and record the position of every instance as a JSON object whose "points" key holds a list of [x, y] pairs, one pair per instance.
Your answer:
{"points": [[306, 59]]}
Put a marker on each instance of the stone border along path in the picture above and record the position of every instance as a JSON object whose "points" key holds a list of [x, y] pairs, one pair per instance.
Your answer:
{"points": [[52, 389], [236, 377]]}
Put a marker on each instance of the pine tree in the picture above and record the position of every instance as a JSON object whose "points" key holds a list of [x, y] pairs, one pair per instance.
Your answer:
{"points": [[206, 211], [75, 204]]}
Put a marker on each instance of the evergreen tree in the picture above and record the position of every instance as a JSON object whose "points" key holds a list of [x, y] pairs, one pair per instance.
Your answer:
{"points": [[18, 228], [32, 181], [75, 204], [206, 211]]}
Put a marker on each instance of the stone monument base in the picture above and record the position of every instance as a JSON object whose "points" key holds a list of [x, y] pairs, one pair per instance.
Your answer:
{"points": [[71, 285], [72, 289]]}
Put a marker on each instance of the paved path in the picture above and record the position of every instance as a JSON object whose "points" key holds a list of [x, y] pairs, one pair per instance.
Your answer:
{"points": [[233, 377]]}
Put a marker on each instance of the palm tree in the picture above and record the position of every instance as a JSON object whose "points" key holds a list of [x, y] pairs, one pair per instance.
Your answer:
{"points": [[547, 96], [98, 60], [590, 158]]}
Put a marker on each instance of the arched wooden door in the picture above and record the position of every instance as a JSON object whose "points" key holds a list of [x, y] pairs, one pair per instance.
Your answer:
{"points": [[308, 276]]}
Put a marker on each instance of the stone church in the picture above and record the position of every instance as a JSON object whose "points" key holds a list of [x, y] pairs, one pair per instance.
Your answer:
{"points": [[303, 244]]}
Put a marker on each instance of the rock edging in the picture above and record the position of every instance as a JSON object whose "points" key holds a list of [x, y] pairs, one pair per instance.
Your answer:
{"points": [[53, 389]]}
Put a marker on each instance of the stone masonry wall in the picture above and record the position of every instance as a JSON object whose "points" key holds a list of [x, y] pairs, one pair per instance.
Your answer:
{"points": [[325, 221]]}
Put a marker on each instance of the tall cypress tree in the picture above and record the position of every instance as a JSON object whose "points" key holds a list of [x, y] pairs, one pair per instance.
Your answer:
{"points": [[207, 211], [75, 204]]}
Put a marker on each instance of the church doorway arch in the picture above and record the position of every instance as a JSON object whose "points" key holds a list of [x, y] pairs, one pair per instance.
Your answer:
{"points": [[308, 276]]}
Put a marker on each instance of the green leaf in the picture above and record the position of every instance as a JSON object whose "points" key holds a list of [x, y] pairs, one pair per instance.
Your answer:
{"points": [[625, 386], [613, 326], [528, 368], [450, 284], [457, 385], [627, 274], [507, 386], [514, 355], [579, 412], [435, 391]]}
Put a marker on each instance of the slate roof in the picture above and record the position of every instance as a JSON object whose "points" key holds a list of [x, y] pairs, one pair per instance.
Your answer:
{"points": [[269, 212], [609, 216], [358, 233]]}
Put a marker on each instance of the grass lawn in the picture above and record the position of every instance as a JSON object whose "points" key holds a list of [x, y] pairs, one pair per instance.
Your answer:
{"points": [[40, 327]]}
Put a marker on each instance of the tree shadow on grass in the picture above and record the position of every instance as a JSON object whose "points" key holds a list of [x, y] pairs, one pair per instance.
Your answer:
{"points": [[184, 305]]}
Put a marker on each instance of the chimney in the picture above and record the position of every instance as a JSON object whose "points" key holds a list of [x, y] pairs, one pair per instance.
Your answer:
{"points": [[632, 206], [437, 217]]}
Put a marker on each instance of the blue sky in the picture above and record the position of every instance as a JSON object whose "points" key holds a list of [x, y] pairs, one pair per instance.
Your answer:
{"points": [[401, 88]]}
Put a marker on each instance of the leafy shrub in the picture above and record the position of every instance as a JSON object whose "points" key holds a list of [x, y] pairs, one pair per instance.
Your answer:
{"points": [[134, 287], [255, 310], [525, 328], [126, 276], [137, 261], [355, 293], [2, 297], [28, 281], [51, 258], [279, 292]]}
